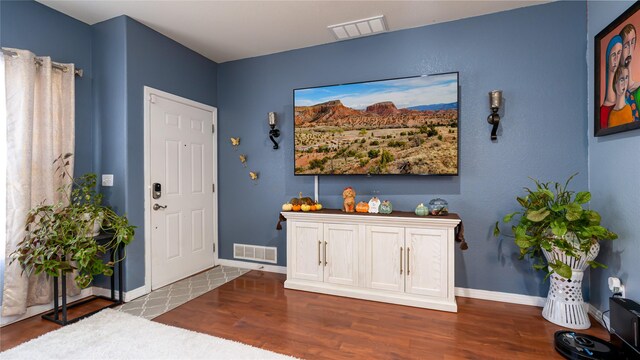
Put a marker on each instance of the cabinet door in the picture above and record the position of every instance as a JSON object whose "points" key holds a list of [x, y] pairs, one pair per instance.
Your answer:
{"points": [[384, 262], [426, 259], [306, 249], [341, 254]]}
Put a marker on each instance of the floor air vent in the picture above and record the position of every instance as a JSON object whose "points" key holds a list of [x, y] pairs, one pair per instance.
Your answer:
{"points": [[255, 253]]}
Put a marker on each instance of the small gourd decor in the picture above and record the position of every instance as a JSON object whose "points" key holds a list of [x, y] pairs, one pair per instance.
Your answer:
{"points": [[287, 207], [386, 207], [422, 210], [362, 207]]}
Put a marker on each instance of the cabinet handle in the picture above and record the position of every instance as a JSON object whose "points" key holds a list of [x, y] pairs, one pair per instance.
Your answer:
{"points": [[325, 253], [408, 266], [401, 260], [319, 260]]}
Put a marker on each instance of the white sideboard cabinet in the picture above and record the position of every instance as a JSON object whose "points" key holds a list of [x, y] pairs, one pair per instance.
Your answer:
{"points": [[398, 258]]}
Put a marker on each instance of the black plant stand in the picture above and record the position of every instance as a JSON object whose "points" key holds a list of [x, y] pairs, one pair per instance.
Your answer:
{"points": [[59, 313]]}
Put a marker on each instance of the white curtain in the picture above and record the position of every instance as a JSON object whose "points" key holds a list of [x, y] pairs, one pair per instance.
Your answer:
{"points": [[40, 119]]}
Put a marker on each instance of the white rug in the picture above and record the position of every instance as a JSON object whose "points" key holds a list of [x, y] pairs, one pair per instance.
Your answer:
{"points": [[113, 335]]}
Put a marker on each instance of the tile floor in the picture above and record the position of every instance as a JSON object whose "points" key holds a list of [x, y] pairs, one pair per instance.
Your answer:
{"points": [[171, 296]]}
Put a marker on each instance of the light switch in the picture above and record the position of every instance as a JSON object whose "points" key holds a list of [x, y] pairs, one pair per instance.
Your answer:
{"points": [[107, 179]]}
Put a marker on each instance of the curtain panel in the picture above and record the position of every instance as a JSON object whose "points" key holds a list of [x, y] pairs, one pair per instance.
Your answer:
{"points": [[40, 120]]}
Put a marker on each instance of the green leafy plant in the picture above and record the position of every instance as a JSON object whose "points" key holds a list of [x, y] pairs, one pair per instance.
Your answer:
{"points": [[554, 217], [59, 236]]}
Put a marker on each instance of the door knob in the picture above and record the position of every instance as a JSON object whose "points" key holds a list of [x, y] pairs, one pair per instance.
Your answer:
{"points": [[158, 207]]}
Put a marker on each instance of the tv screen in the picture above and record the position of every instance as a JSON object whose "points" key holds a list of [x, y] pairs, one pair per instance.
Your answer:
{"points": [[406, 126]]}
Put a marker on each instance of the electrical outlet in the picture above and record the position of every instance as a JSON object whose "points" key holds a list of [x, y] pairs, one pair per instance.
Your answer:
{"points": [[107, 179]]}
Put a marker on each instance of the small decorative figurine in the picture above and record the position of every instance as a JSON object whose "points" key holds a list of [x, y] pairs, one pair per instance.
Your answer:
{"points": [[438, 207], [385, 207], [254, 176], [422, 210], [235, 142], [374, 205], [362, 207], [349, 196], [243, 160]]}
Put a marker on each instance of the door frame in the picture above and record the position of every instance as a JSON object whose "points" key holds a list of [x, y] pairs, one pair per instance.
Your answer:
{"points": [[148, 93]]}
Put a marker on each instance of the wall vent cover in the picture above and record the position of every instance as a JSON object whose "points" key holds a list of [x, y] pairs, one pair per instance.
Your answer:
{"points": [[255, 253]]}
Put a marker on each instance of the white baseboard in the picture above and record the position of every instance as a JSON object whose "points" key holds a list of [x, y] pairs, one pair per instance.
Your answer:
{"points": [[501, 296], [597, 314], [253, 266], [40, 309], [128, 295], [464, 292]]}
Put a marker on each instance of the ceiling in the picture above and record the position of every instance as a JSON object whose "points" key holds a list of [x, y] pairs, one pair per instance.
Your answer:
{"points": [[230, 30]]}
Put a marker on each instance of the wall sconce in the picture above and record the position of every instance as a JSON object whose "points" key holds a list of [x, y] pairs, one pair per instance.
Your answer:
{"points": [[273, 133], [495, 101]]}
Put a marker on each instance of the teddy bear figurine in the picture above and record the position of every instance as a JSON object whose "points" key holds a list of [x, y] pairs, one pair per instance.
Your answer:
{"points": [[349, 196]]}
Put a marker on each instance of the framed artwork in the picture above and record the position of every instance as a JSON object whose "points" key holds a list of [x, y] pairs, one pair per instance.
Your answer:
{"points": [[617, 75]]}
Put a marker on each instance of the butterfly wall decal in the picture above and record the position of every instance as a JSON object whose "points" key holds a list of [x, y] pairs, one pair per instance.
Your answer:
{"points": [[235, 142]]}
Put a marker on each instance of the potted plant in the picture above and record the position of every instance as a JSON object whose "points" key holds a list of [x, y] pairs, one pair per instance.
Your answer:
{"points": [[553, 223], [60, 237]]}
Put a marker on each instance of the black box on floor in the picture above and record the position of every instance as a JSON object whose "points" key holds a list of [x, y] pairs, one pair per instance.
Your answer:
{"points": [[625, 326]]}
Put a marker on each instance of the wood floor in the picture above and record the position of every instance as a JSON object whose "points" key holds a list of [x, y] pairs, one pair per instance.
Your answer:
{"points": [[255, 309]]}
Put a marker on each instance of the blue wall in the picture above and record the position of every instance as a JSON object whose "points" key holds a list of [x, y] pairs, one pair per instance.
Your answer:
{"points": [[614, 175], [129, 56], [535, 55], [543, 134], [161, 63], [35, 27]]}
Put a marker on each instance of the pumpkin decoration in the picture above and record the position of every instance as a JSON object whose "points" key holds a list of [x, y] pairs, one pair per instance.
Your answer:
{"points": [[287, 207], [305, 207], [374, 205], [362, 207], [318, 206], [301, 200], [313, 207], [422, 210], [385, 207], [295, 207]]}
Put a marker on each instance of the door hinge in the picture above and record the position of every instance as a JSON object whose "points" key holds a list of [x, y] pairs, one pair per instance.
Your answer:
{"points": [[213, 187], [213, 128], [214, 247]]}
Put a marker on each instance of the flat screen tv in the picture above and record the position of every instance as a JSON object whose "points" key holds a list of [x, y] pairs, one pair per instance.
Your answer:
{"points": [[405, 126]]}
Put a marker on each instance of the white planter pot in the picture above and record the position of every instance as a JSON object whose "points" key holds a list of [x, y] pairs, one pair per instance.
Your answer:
{"points": [[565, 305], [94, 228]]}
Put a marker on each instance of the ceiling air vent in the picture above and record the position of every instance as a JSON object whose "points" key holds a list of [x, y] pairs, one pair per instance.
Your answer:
{"points": [[359, 28]]}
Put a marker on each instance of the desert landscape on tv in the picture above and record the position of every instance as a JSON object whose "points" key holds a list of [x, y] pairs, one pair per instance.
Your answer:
{"points": [[381, 137]]}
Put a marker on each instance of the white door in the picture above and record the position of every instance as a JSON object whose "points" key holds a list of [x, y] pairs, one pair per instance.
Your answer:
{"points": [[182, 163], [341, 254], [307, 251], [426, 262], [384, 252]]}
